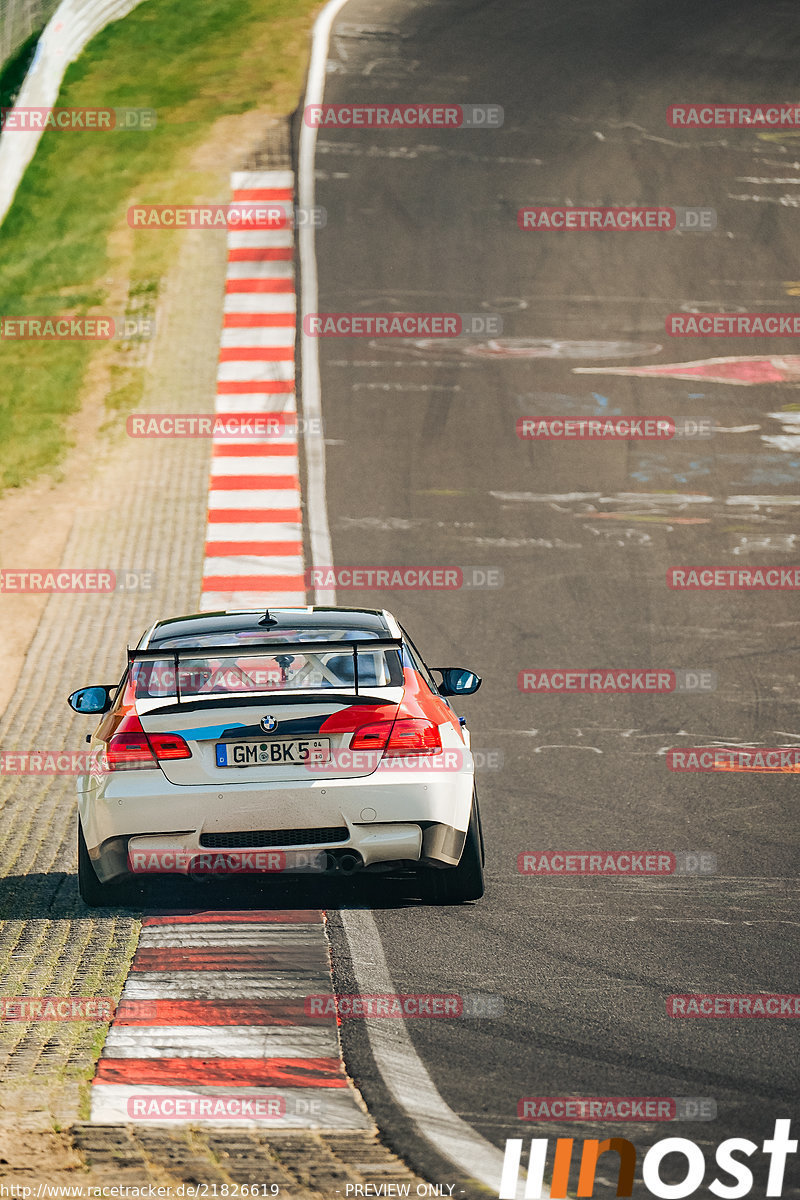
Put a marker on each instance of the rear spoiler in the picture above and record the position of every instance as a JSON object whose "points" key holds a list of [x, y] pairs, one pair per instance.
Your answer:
{"points": [[180, 653]]}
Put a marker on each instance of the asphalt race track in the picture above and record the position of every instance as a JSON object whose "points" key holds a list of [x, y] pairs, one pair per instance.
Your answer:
{"points": [[425, 468], [564, 548]]}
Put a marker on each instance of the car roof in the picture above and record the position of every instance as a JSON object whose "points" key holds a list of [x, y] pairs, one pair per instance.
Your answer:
{"points": [[374, 621]]}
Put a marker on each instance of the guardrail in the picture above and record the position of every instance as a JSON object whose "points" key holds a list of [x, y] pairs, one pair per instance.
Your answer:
{"points": [[18, 20]]}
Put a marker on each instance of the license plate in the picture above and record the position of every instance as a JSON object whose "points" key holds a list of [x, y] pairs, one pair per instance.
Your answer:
{"points": [[274, 753]]}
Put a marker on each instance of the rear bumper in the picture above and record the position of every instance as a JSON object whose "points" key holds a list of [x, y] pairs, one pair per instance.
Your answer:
{"points": [[123, 857], [421, 817]]}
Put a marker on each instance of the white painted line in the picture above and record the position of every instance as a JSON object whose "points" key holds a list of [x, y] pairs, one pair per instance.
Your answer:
{"points": [[262, 239], [256, 402], [317, 511], [218, 985], [220, 1041], [247, 372], [260, 302], [257, 335], [242, 181], [279, 464], [757, 501], [403, 1072], [255, 531], [285, 498], [306, 1108], [213, 934], [254, 564]]}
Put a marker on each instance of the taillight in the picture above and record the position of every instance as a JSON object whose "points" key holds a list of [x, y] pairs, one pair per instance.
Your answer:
{"points": [[169, 745], [130, 749], [371, 737], [399, 739], [413, 735]]}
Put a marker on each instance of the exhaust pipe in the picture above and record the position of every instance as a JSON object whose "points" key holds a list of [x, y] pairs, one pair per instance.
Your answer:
{"points": [[341, 864]]}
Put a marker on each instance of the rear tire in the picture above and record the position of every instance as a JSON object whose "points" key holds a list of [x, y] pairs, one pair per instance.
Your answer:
{"points": [[93, 892], [456, 885]]}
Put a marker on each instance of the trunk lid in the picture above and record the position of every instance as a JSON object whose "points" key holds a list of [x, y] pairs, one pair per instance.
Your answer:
{"points": [[282, 714]]}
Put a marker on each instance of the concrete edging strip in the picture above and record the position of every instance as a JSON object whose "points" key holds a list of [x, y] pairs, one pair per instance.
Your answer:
{"points": [[209, 1032]]}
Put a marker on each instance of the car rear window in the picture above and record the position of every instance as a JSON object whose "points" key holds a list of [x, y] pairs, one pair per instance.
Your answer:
{"points": [[265, 671]]}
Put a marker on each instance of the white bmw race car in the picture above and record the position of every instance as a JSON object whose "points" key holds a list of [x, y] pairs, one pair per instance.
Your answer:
{"points": [[293, 740]]}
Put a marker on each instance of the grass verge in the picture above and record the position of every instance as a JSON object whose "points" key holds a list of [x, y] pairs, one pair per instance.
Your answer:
{"points": [[67, 249]]}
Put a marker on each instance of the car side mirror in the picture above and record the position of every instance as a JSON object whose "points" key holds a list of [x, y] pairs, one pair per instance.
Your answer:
{"points": [[457, 681], [95, 699]]}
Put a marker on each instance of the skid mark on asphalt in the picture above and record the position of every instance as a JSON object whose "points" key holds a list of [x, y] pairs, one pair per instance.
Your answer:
{"points": [[666, 512], [789, 438], [254, 541], [216, 1005], [649, 502], [427, 152], [629, 742]]}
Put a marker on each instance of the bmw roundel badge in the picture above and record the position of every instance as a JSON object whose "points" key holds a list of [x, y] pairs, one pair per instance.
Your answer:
{"points": [[269, 723]]}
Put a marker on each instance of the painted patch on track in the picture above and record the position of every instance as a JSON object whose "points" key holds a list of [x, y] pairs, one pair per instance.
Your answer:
{"points": [[254, 541], [742, 370], [213, 1009]]}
